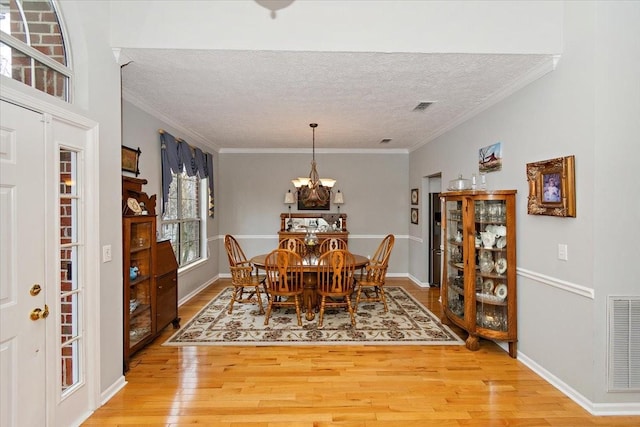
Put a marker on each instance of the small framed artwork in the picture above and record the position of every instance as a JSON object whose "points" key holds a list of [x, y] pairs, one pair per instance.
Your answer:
{"points": [[552, 189], [414, 215], [415, 196], [490, 158], [130, 160]]}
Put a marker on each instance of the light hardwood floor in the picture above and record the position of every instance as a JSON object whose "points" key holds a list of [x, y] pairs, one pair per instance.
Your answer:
{"points": [[337, 385]]}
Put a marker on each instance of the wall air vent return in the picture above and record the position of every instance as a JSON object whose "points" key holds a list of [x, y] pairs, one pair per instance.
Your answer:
{"points": [[624, 343], [422, 106]]}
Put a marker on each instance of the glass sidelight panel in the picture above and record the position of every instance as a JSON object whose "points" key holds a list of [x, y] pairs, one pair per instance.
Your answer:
{"points": [[70, 277]]}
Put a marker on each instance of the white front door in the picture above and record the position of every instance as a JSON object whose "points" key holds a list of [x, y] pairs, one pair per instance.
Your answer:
{"points": [[22, 268], [48, 265]]}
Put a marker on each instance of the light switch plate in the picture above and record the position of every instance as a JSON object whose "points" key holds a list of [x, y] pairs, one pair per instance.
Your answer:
{"points": [[106, 253], [563, 252]]}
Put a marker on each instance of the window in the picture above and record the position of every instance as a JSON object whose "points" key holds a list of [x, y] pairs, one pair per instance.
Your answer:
{"points": [[32, 47], [184, 219], [72, 340]]}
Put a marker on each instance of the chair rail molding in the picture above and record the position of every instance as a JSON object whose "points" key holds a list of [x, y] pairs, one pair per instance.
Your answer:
{"points": [[574, 288]]}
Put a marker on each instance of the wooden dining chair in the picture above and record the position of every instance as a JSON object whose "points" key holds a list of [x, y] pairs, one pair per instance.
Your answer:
{"points": [[375, 273], [336, 271], [285, 281], [294, 244], [246, 284], [331, 244]]}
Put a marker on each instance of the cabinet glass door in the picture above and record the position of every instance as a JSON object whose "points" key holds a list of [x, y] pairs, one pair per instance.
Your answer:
{"points": [[491, 264], [454, 250], [140, 315]]}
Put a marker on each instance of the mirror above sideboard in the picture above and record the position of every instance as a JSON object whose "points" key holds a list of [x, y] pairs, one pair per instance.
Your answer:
{"points": [[301, 222]]}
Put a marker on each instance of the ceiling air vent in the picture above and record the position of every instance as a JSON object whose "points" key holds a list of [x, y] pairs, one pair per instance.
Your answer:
{"points": [[385, 141], [422, 106]]}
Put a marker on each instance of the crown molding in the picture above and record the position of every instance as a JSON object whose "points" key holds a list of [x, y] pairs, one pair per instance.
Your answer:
{"points": [[186, 133], [545, 67]]}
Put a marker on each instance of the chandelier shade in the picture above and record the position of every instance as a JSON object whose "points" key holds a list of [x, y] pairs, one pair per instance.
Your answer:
{"points": [[313, 191]]}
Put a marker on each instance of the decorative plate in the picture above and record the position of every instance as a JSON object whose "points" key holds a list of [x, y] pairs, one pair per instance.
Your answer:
{"points": [[414, 216], [501, 243], [501, 265], [501, 291], [487, 287], [134, 205]]}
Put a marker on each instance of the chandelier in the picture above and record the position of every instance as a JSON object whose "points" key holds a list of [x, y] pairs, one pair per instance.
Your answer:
{"points": [[314, 191]]}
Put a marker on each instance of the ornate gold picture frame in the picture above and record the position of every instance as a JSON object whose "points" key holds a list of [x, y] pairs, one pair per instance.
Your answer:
{"points": [[552, 189]]}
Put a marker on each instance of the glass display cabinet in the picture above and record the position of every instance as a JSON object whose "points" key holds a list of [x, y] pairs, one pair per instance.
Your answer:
{"points": [[479, 272], [139, 236]]}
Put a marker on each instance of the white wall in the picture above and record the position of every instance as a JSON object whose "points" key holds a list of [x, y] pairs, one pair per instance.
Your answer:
{"points": [[97, 96], [588, 107], [348, 26], [617, 149], [140, 130]]}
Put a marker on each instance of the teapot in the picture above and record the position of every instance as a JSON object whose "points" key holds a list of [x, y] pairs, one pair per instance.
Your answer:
{"points": [[488, 239]]}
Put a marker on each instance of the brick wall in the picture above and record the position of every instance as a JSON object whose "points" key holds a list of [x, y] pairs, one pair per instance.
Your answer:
{"points": [[42, 32], [66, 269]]}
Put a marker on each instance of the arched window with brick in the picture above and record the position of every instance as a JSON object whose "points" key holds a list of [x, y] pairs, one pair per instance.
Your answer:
{"points": [[32, 46]]}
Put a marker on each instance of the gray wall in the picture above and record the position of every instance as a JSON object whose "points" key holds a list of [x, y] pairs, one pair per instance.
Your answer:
{"points": [[252, 188], [140, 130], [588, 107]]}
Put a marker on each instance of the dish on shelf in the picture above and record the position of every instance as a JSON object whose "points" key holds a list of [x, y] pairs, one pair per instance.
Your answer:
{"points": [[134, 206], [459, 264], [500, 230], [501, 265], [486, 266], [487, 287], [489, 298], [501, 291], [501, 243]]}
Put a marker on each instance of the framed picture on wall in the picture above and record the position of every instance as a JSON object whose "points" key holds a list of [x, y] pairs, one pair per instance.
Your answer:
{"points": [[414, 215], [552, 189], [130, 160], [415, 196]]}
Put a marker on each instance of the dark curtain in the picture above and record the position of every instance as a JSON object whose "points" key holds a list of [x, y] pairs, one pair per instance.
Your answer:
{"points": [[178, 156]]}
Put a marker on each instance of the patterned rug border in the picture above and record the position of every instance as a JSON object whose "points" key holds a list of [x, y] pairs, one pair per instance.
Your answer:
{"points": [[453, 338]]}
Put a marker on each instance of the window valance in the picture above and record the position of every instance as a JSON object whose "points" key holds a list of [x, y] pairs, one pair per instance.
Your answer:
{"points": [[177, 157]]}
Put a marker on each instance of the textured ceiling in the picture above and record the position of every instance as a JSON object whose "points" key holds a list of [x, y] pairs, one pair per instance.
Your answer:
{"points": [[266, 99]]}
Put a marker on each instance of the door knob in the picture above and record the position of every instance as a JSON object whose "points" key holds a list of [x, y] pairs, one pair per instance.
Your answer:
{"points": [[38, 313]]}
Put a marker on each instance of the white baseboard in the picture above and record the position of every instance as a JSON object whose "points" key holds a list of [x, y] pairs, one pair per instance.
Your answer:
{"points": [[195, 292], [596, 409], [114, 388]]}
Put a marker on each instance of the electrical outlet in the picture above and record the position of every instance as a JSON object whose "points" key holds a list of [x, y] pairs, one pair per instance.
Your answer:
{"points": [[563, 252], [106, 253]]}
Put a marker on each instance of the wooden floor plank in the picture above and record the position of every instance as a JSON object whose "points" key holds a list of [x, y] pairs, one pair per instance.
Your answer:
{"points": [[366, 386]]}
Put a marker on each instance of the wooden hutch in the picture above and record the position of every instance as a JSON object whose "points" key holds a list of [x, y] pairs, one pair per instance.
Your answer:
{"points": [[150, 271], [323, 224]]}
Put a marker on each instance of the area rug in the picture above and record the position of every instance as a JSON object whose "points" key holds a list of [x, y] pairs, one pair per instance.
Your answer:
{"points": [[406, 323]]}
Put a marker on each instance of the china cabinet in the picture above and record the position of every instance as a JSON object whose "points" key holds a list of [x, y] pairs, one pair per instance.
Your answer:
{"points": [[139, 236], [479, 271]]}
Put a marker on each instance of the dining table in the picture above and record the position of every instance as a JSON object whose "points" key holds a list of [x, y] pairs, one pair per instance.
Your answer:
{"points": [[310, 271]]}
